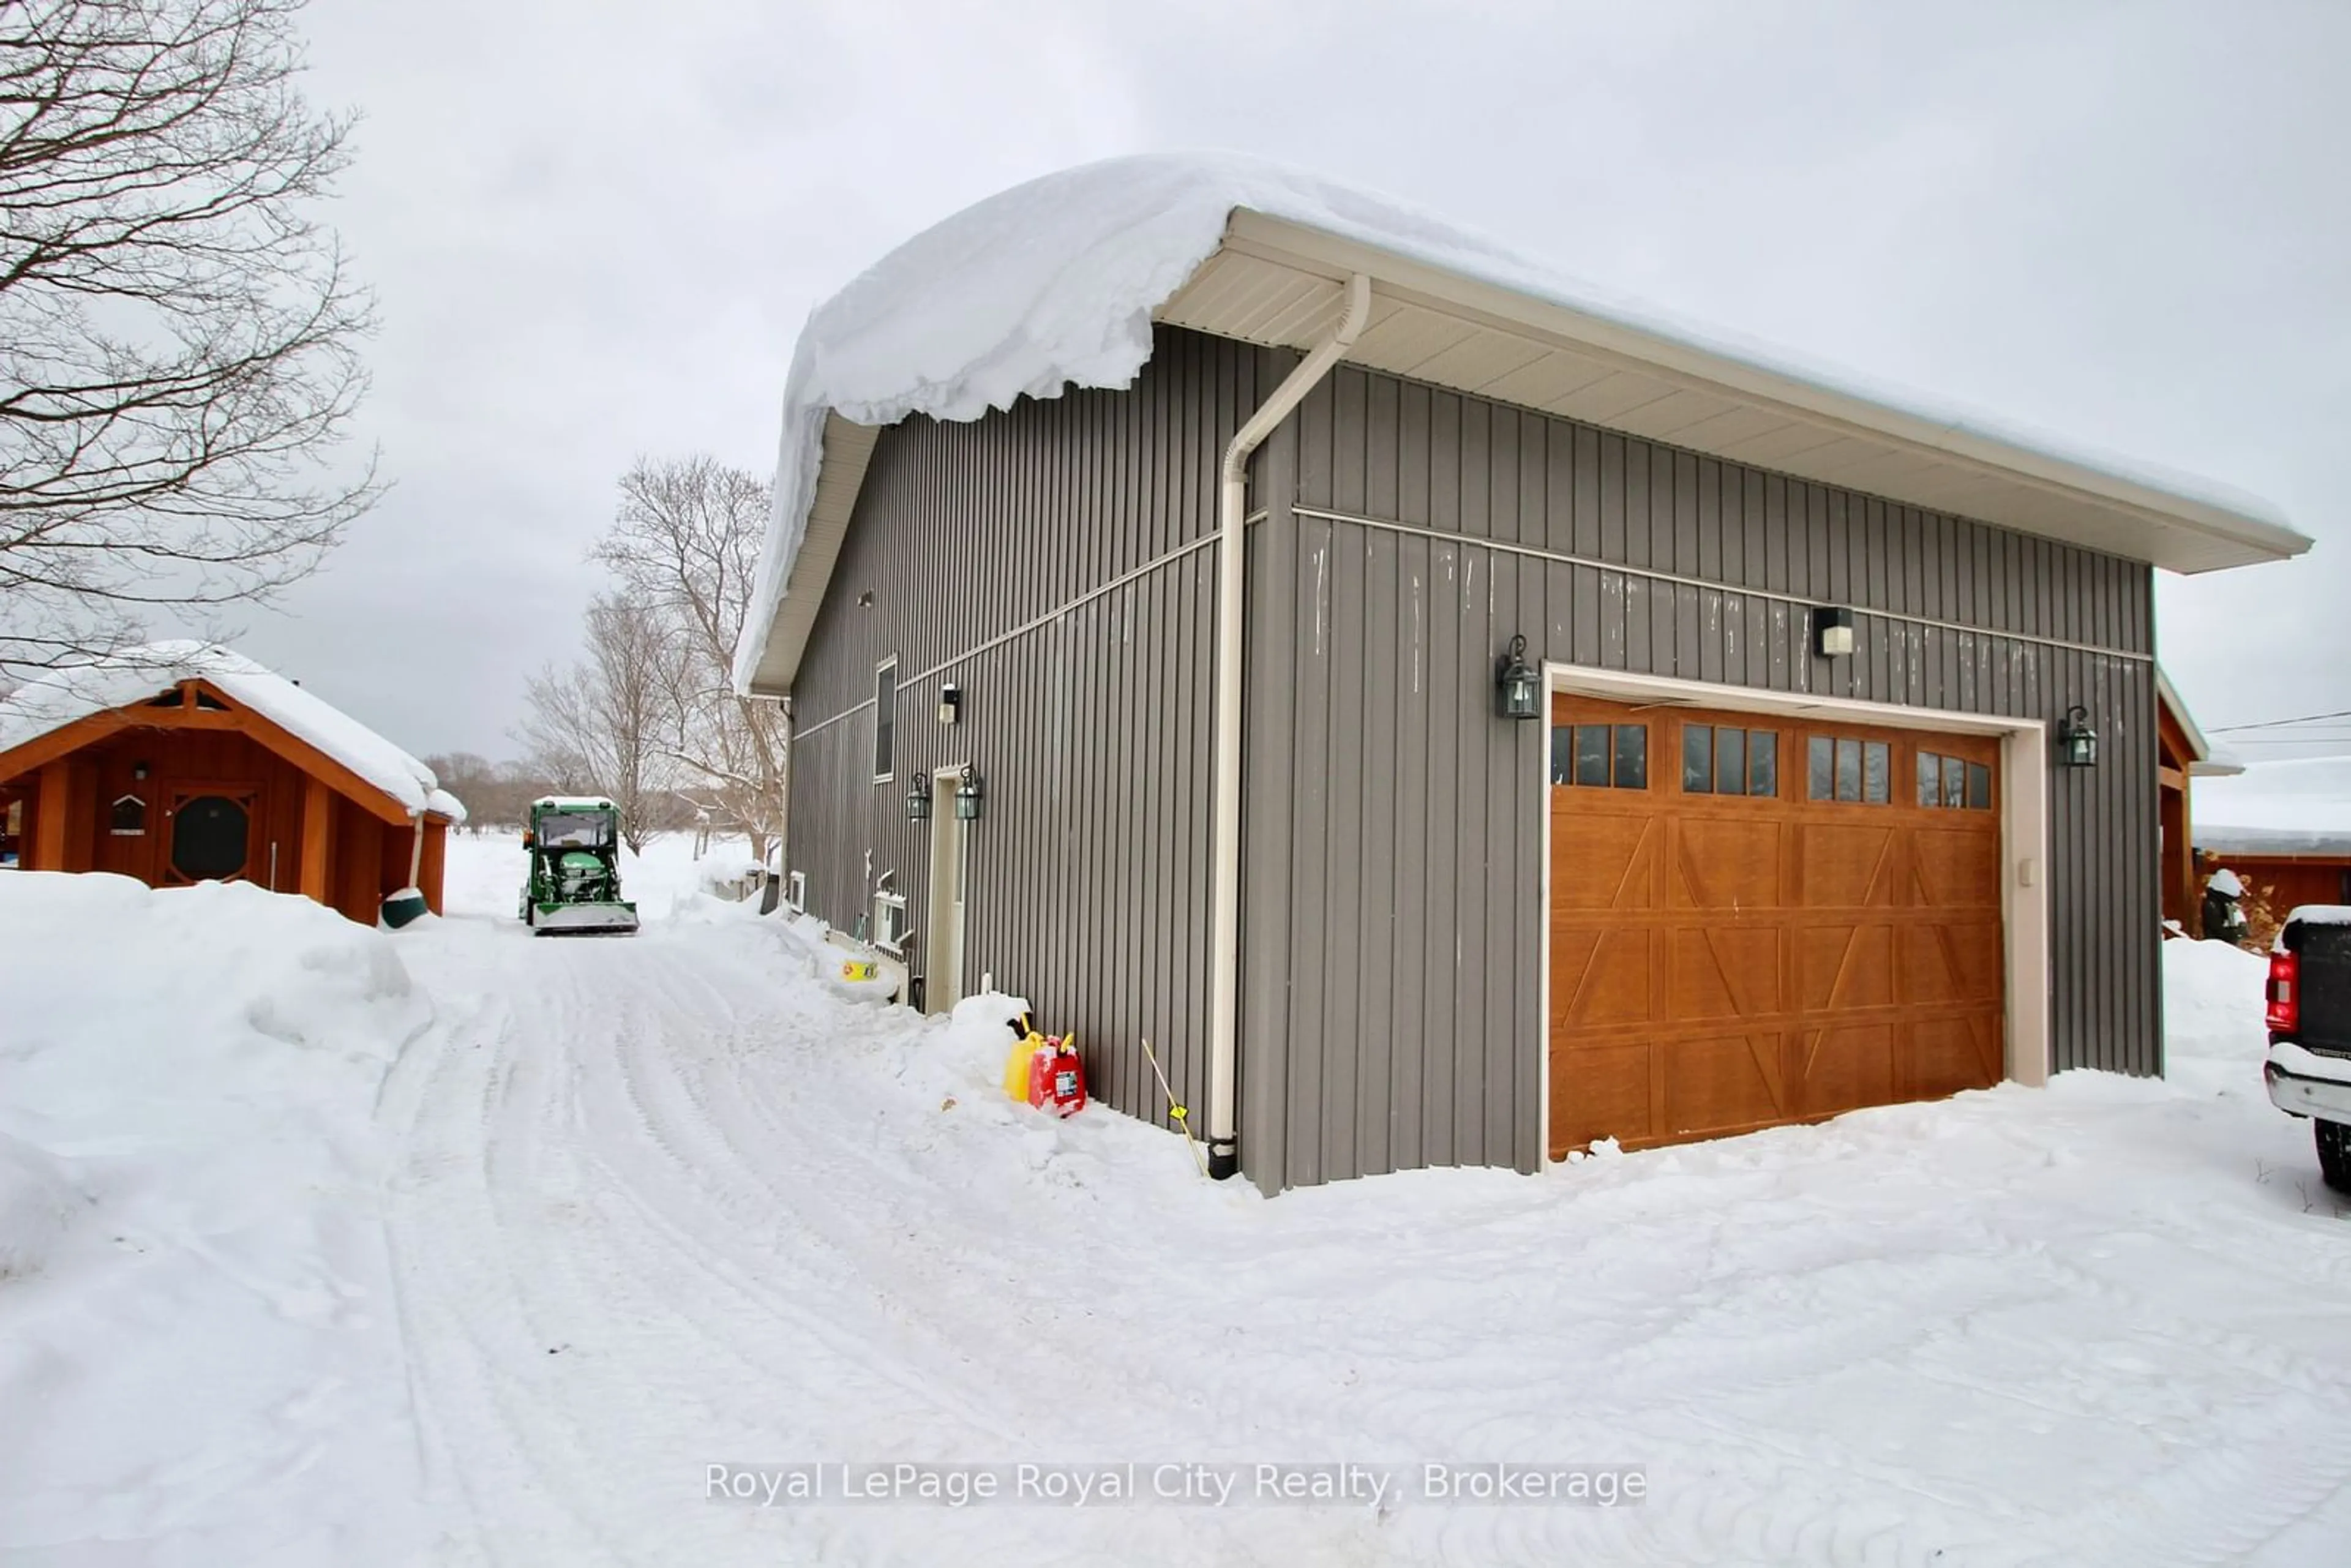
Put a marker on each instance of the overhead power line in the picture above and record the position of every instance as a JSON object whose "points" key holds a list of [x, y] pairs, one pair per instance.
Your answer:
{"points": [[2278, 722]]}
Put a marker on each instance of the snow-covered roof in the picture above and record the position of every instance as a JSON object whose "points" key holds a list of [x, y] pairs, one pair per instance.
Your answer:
{"points": [[136, 674], [575, 802], [1057, 283]]}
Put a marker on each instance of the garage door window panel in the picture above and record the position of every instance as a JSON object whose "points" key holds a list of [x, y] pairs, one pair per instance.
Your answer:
{"points": [[1953, 782], [1725, 759], [1632, 756], [1697, 759], [1849, 769], [1599, 755]]}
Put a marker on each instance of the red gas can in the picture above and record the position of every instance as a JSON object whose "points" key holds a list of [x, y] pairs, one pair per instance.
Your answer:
{"points": [[1056, 1079]]}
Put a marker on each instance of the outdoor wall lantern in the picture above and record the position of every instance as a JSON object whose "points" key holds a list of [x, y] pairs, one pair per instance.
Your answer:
{"points": [[918, 801], [2077, 743], [1518, 687], [1832, 630], [950, 703], [968, 795]]}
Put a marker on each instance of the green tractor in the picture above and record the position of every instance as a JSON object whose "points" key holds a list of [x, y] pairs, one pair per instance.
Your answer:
{"points": [[575, 869]]}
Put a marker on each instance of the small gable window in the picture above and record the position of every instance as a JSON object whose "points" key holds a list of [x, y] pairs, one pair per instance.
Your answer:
{"points": [[128, 817]]}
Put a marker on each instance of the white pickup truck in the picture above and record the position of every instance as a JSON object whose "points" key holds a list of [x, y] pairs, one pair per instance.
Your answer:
{"points": [[2309, 1067]]}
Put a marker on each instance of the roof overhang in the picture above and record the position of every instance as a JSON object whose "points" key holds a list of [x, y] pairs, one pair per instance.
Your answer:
{"points": [[1279, 282], [841, 475]]}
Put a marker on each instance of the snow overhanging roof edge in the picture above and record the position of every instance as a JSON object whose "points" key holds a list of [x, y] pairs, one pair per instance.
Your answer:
{"points": [[1486, 331]]}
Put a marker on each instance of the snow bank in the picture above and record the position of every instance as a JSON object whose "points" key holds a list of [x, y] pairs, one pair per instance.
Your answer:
{"points": [[2213, 1033], [134, 675], [1053, 284], [193, 1292]]}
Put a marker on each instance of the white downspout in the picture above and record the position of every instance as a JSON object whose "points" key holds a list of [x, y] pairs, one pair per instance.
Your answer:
{"points": [[417, 849], [1232, 582]]}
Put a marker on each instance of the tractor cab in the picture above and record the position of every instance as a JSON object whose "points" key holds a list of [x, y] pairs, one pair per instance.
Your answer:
{"points": [[574, 886]]}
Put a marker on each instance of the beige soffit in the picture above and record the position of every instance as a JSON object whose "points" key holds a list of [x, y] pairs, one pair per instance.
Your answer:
{"points": [[841, 473], [1279, 282]]}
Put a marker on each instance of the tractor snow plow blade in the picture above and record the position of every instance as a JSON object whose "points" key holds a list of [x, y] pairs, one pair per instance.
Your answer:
{"points": [[585, 920]]}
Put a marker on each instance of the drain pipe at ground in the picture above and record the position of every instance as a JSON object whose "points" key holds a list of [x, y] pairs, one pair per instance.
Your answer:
{"points": [[1232, 582]]}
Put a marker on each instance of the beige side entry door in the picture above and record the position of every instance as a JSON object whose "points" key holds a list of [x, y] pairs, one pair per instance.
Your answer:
{"points": [[942, 943]]}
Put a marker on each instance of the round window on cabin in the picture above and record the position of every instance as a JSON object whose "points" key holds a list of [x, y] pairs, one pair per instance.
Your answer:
{"points": [[208, 838]]}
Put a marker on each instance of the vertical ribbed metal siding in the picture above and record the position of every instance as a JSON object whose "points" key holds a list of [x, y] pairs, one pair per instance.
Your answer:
{"points": [[1087, 887], [1403, 1029]]}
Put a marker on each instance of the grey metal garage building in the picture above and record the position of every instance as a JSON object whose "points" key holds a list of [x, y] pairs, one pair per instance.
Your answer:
{"points": [[1721, 879]]}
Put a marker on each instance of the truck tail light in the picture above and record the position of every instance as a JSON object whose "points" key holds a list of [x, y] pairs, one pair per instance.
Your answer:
{"points": [[2285, 992]]}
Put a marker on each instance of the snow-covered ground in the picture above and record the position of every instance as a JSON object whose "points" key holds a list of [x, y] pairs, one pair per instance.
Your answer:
{"points": [[199, 1356], [656, 1204]]}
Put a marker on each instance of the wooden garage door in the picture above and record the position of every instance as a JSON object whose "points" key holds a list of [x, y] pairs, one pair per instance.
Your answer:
{"points": [[1758, 920]]}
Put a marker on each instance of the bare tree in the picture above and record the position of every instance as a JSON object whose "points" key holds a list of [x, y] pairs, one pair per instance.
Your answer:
{"points": [[177, 334], [599, 726], [490, 801], [687, 540]]}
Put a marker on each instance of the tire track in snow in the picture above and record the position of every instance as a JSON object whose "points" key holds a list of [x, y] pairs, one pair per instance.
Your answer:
{"points": [[646, 1246], [456, 1292]]}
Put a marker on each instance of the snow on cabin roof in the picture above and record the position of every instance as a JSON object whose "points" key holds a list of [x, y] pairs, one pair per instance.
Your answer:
{"points": [[1057, 283], [135, 674]]}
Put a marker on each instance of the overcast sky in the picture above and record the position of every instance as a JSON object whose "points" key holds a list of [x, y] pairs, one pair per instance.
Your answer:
{"points": [[595, 229]]}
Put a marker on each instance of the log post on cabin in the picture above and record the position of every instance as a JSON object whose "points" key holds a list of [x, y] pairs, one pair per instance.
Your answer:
{"points": [[436, 855], [2180, 893], [50, 818], [317, 837]]}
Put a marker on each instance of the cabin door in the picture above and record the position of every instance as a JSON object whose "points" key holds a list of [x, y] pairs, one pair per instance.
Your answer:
{"points": [[209, 834]]}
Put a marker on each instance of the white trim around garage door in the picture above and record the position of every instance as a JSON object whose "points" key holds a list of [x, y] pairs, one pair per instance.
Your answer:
{"points": [[2023, 835]]}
